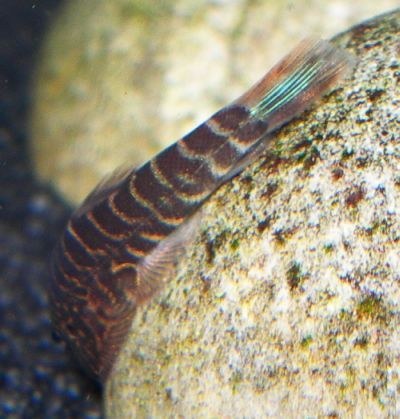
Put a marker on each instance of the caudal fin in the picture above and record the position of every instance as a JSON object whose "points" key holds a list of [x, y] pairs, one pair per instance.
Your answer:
{"points": [[311, 68]]}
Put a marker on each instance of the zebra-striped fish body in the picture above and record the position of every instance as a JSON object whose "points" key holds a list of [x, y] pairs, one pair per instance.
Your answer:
{"points": [[120, 245]]}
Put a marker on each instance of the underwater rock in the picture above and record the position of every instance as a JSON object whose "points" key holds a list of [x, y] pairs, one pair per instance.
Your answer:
{"points": [[288, 301], [119, 80]]}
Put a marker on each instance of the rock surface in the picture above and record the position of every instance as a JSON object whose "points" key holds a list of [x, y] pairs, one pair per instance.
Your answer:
{"points": [[120, 79], [289, 300]]}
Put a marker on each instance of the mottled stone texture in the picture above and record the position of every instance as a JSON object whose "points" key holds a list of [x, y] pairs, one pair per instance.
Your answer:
{"points": [[121, 79], [288, 302]]}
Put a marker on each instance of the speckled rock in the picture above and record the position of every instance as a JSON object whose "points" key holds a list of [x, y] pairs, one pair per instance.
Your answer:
{"points": [[120, 79], [288, 303]]}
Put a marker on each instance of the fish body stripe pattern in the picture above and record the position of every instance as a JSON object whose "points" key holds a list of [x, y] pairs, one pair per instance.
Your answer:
{"points": [[120, 246]]}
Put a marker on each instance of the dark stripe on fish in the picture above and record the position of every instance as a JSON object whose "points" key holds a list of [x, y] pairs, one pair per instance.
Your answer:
{"points": [[230, 118], [156, 195], [90, 235], [78, 252], [190, 177], [110, 222]]}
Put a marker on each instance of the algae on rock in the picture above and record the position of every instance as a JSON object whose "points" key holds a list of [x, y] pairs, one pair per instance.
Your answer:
{"points": [[289, 300]]}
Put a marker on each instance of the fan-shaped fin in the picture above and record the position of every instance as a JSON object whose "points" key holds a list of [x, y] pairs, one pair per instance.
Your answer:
{"points": [[158, 266]]}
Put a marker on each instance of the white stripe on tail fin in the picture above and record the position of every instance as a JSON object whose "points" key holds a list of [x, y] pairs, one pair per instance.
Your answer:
{"points": [[296, 81]]}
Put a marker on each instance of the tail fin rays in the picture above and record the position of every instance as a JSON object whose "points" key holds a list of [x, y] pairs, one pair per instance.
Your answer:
{"points": [[296, 81]]}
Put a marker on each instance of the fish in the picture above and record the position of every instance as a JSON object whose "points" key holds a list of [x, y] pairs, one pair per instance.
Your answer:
{"points": [[120, 247]]}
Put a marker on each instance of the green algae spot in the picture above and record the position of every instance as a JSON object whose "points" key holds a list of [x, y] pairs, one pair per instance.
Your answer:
{"points": [[345, 316], [349, 381], [306, 342], [236, 379], [371, 308], [308, 157], [234, 244], [347, 153], [378, 227], [328, 248]]}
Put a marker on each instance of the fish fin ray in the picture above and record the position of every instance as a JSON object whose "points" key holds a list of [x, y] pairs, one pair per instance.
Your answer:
{"points": [[103, 189], [157, 267], [299, 79]]}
